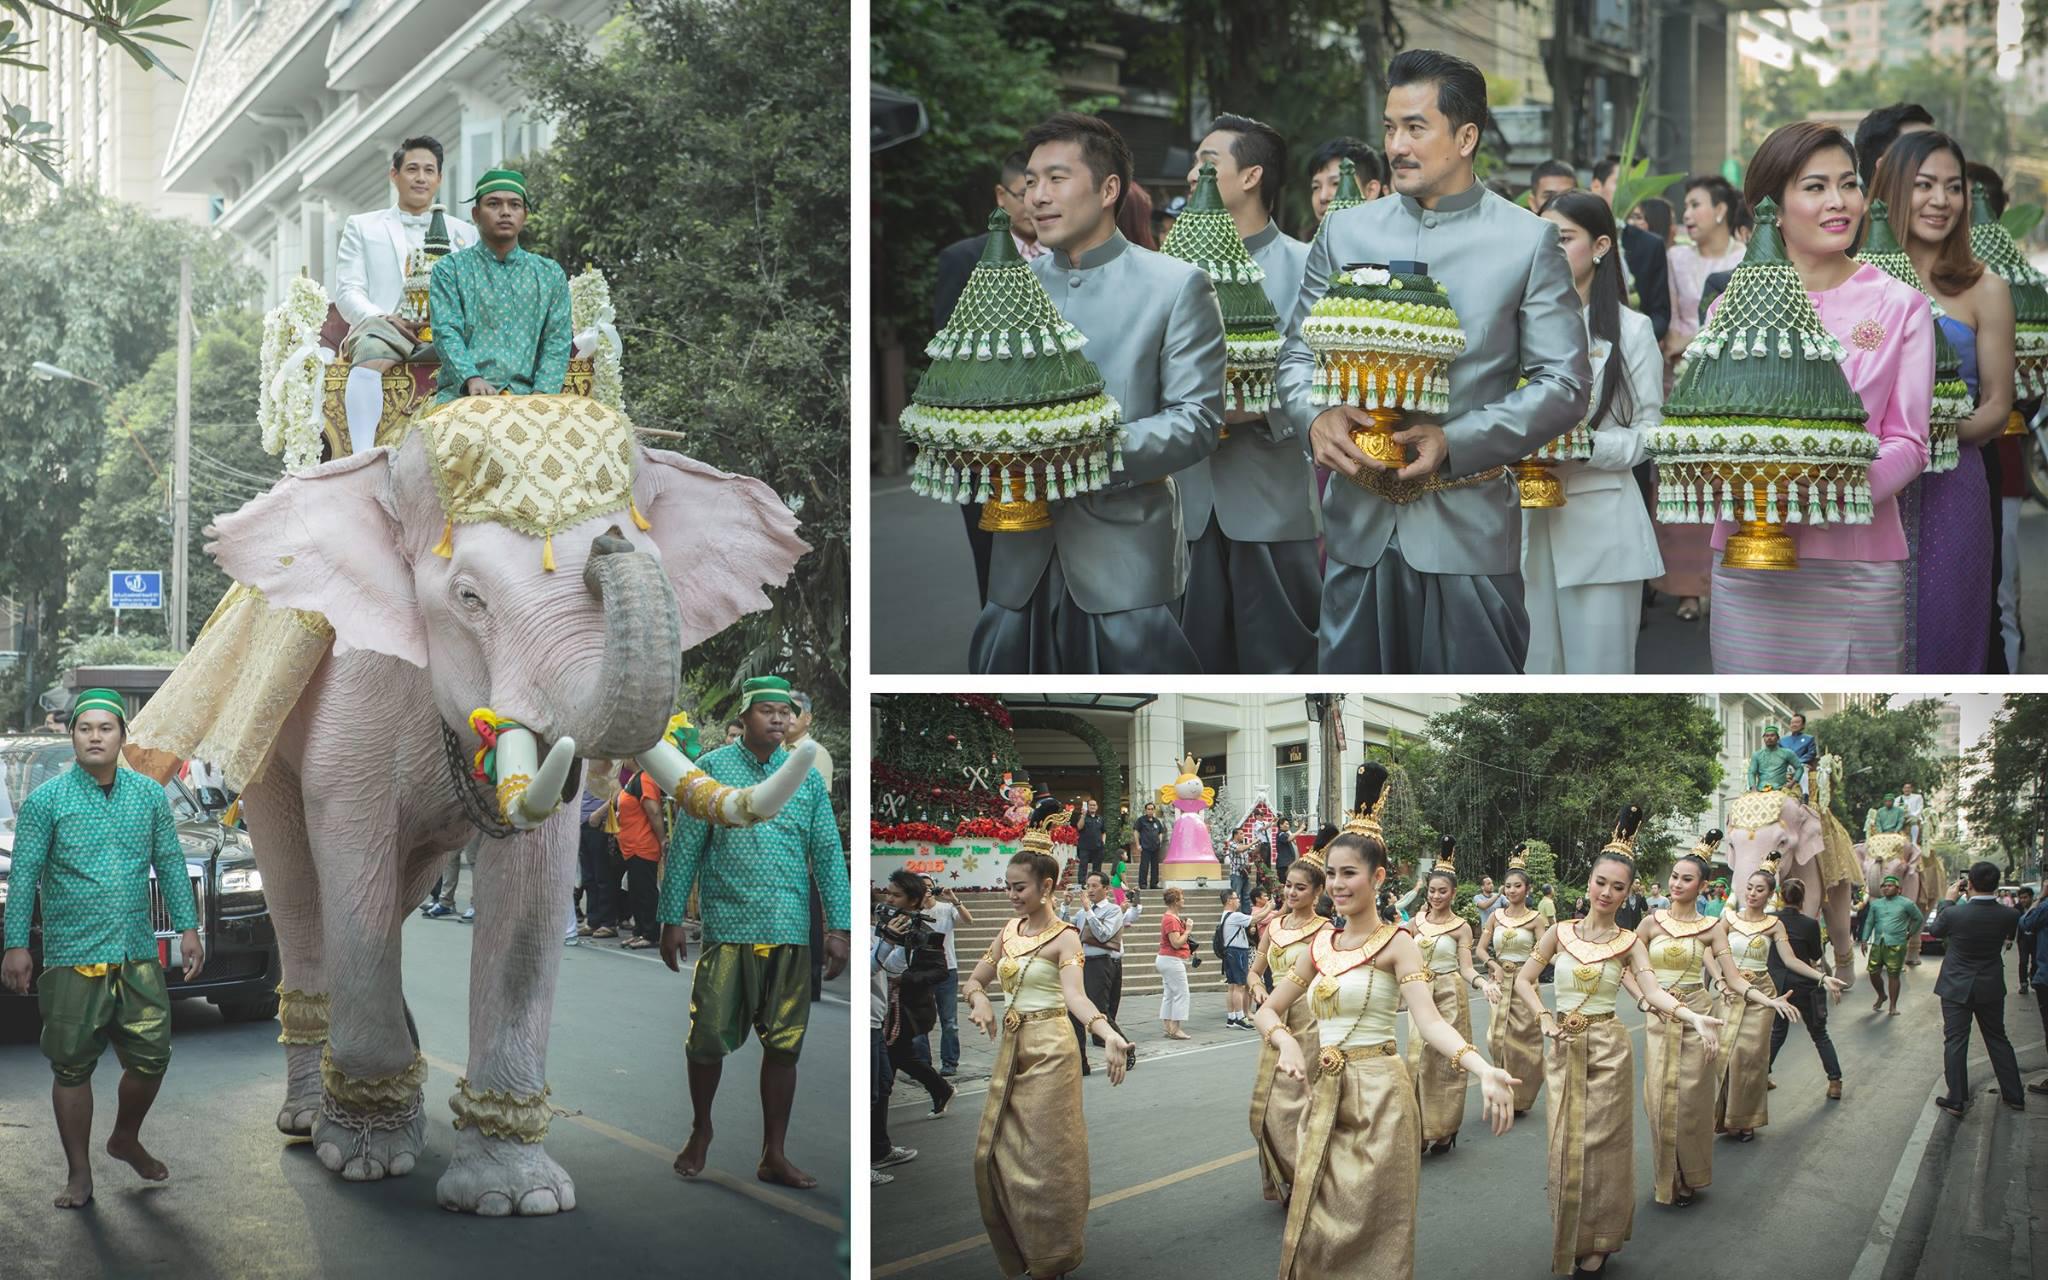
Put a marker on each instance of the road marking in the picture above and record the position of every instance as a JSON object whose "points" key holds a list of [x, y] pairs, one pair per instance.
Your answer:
{"points": [[1100, 1202], [655, 958], [755, 1190], [1877, 1247]]}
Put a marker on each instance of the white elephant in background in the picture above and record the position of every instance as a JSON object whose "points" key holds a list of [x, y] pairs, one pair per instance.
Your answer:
{"points": [[580, 643], [1761, 823]]}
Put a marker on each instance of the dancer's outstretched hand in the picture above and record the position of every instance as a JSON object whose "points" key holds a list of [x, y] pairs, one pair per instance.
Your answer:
{"points": [[1117, 1051], [1786, 1009], [1707, 1026], [982, 1014], [1497, 1088]]}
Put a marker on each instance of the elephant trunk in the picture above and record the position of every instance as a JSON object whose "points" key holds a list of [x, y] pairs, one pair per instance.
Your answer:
{"points": [[643, 648], [706, 799], [530, 792]]}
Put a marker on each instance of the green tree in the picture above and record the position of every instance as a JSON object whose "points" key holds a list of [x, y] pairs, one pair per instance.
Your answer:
{"points": [[701, 162], [126, 523], [2007, 801], [1882, 747], [1964, 99], [128, 25], [1512, 766], [941, 757]]}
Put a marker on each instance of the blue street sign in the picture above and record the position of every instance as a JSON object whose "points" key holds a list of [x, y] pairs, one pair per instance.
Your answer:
{"points": [[135, 589]]}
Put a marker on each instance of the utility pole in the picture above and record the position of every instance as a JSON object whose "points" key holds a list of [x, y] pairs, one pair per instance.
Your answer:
{"points": [[1334, 799], [181, 459]]}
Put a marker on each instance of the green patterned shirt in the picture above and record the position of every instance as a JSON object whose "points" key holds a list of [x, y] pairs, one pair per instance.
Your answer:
{"points": [[756, 881], [506, 322], [88, 854]]}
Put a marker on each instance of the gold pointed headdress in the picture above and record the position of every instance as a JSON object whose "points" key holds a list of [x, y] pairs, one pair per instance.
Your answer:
{"points": [[1519, 859], [1623, 841], [1038, 834], [1368, 798], [1446, 858], [1770, 864], [1708, 843]]}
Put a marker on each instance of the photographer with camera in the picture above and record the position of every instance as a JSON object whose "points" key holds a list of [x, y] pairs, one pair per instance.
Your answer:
{"points": [[1972, 985], [913, 1005]]}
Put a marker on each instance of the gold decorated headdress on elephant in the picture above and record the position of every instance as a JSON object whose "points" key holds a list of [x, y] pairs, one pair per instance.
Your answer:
{"points": [[538, 464], [1368, 797], [1189, 767]]}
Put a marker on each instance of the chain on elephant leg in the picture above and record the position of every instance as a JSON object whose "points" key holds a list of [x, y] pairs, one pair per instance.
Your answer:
{"points": [[500, 1167], [302, 1022], [370, 1128]]}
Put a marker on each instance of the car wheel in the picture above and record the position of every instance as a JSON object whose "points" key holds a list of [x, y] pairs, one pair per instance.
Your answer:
{"points": [[256, 1009]]}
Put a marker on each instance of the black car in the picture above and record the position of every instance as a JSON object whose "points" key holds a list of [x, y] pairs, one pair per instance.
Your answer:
{"points": [[242, 969]]}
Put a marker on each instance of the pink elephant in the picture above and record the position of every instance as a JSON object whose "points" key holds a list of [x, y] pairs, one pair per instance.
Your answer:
{"points": [[1761, 823], [1892, 854], [367, 788]]}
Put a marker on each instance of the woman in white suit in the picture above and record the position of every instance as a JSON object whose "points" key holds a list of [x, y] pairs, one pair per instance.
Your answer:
{"points": [[1584, 564]]}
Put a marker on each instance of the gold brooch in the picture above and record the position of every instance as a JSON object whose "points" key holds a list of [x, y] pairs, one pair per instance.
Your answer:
{"points": [[1012, 1020], [1867, 334], [1674, 953], [1331, 1059], [1573, 1023], [1586, 973], [1007, 972]]}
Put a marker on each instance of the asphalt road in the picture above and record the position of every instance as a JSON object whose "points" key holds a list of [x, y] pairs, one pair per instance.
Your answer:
{"points": [[243, 1200], [1175, 1184], [921, 580]]}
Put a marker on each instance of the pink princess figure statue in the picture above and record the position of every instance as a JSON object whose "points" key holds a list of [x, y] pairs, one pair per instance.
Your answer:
{"points": [[1190, 841]]}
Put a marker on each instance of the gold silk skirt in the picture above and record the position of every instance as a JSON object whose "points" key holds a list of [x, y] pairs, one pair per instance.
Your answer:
{"points": [[1679, 1080], [1031, 1158], [1352, 1215], [1278, 1104], [1514, 1042], [1440, 1086], [1592, 1184], [227, 699], [1746, 1062]]}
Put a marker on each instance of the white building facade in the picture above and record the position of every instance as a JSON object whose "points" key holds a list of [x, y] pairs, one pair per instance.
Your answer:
{"points": [[295, 106]]}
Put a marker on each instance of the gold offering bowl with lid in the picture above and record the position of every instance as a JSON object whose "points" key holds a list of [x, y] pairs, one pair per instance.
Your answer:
{"points": [[1762, 543], [1403, 377], [2015, 424], [1011, 511], [1538, 482]]}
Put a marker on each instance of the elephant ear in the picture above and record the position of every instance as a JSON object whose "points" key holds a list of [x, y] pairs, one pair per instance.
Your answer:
{"points": [[327, 541], [723, 538]]}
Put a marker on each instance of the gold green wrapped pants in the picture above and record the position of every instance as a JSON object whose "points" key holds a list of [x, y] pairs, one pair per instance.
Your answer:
{"points": [[127, 1005]]}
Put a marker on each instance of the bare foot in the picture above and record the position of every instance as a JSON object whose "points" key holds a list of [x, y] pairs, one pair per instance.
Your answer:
{"points": [[77, 1193], [777, 1168], [128, 1149], [690, 1160]]}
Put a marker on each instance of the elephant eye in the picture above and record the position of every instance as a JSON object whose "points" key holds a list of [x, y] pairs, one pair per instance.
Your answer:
{"points": [[470, 599]]}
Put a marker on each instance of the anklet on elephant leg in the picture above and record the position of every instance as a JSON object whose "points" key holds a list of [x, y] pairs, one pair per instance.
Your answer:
{"points": [[499, 1114], [301, 1016], [365, 1106]]}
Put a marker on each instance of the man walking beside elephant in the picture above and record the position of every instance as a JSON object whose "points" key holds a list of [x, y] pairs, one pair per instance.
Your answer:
{"points": [[1893, 920], [754, 885], [85, 842]]}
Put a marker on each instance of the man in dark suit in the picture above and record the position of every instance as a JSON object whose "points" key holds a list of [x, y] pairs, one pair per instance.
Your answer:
{"points": [[1089, 825], [1641, 251], [1972, 985], [1151, 836], [956, 263]]}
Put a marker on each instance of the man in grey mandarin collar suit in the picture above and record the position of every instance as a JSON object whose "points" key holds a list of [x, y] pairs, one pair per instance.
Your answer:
{"points": [[1248, 513], [1435, 584], [1095, 592]]}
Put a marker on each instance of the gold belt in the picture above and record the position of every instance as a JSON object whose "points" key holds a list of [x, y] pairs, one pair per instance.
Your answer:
{"points": [[1401, 492], [1574, 1022], [1332, 1058], [1013, 1019], [1688, 988]]}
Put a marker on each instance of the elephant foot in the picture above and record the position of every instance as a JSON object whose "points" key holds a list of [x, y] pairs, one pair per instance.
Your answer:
{"points": [[366, 1154], [500, 1177], [301, 1090]]}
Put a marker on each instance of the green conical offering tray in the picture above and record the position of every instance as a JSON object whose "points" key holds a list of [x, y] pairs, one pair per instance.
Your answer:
{"points": [[1762, 426], [1384, 336], [1952, 401], [1993, 245], [1205, 235], [1349, 194], [1010, 414]]}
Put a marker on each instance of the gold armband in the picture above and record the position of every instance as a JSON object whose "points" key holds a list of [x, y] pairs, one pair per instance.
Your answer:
{"points": [[1295, 978], [1420, 975], [1074, 961]]}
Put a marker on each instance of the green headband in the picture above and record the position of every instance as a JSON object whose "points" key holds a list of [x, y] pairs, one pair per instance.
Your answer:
{"points": [[1888, 880], [500, 180], [765, 689], [1770, 728], [99, 700]]}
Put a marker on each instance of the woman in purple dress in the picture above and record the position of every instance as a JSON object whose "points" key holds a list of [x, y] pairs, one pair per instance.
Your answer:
{"points": [[1948, 522]]}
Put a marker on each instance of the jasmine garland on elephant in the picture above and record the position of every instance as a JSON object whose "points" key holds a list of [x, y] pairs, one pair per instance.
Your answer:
{"points": [[382, 686]]}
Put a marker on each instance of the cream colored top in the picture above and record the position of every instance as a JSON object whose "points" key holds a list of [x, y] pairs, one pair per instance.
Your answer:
{"points": [[1512, 943], [1752, 950], [1284, 946], [1029, 977], [1357, 1006], [1678, 961], [1589, 988], [1439, 952]]}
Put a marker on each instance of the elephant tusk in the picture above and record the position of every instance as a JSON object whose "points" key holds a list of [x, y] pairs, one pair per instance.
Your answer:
{"points": [[529, 795], [708, 800]]}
